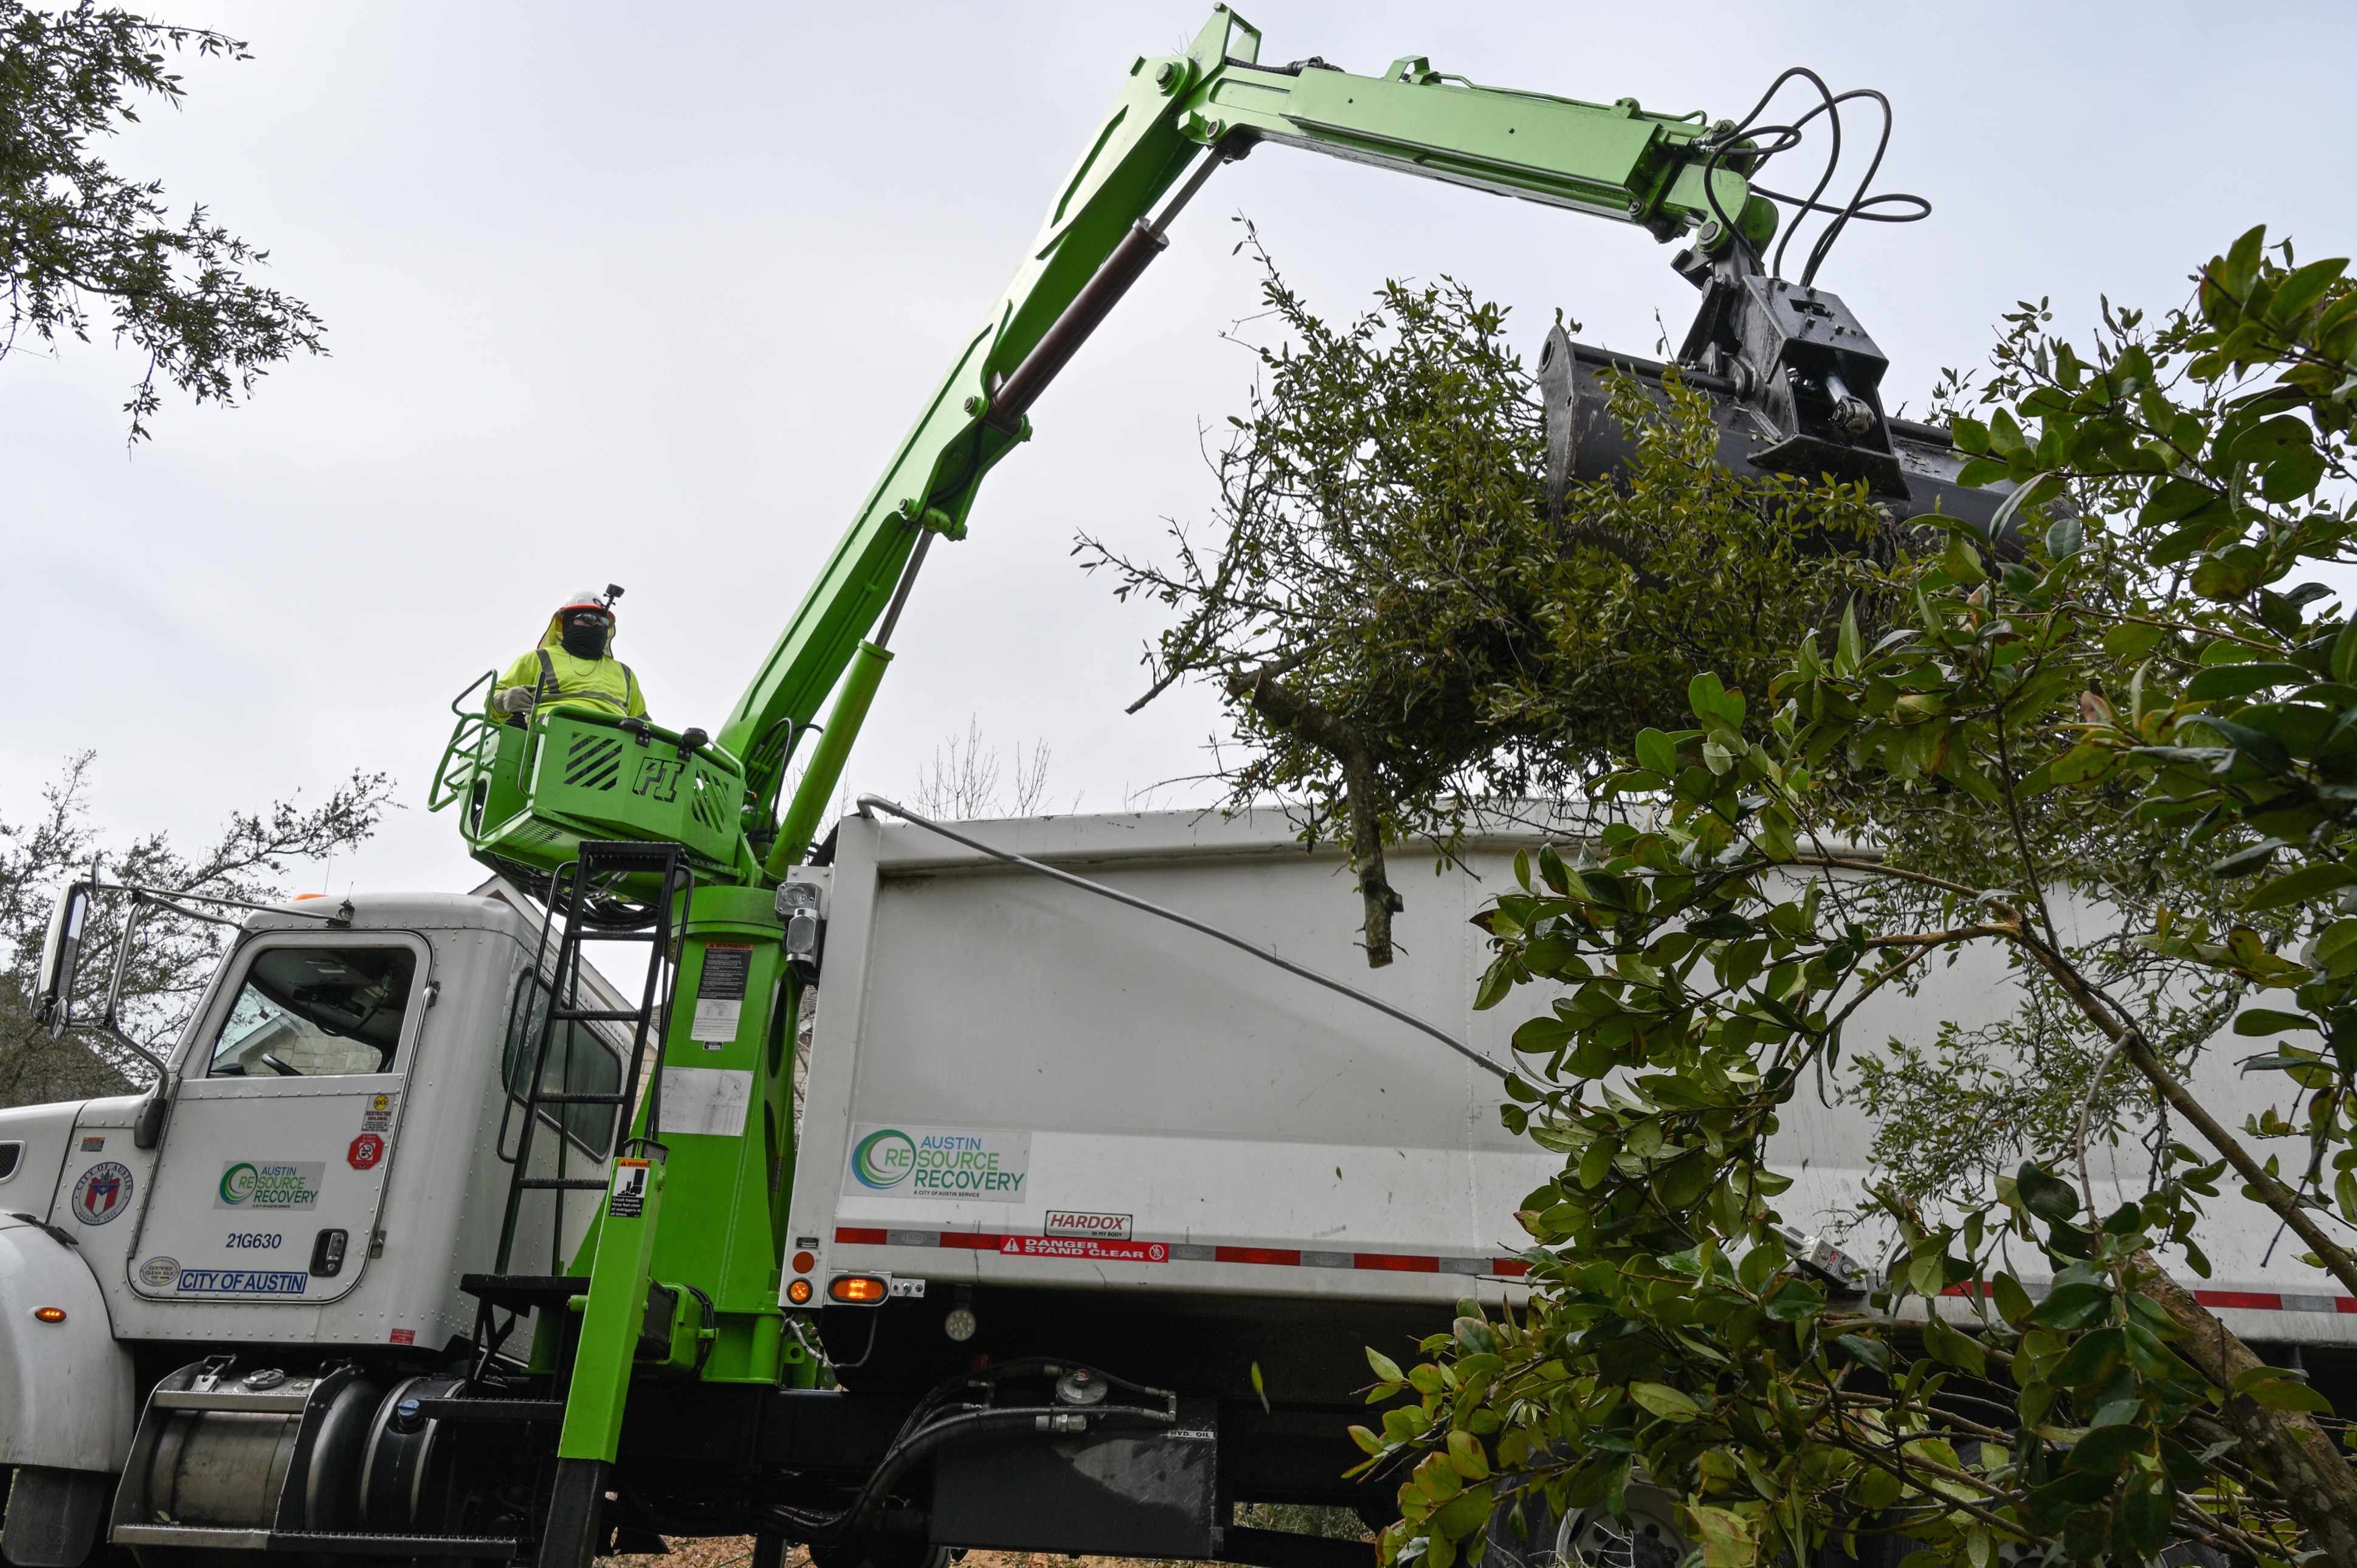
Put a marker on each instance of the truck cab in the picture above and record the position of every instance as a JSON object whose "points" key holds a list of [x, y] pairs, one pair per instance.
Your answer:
{"points": [[338, 1121]]}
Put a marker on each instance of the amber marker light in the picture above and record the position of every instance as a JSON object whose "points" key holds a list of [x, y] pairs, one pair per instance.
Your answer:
{"points": [[858, 1290], [798, 1292], [50, 1314]]}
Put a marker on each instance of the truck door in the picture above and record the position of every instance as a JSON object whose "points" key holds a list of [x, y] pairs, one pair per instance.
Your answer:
{"points": [[286, 1122]]}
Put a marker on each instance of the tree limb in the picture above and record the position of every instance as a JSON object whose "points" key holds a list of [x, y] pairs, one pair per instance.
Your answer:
{"points": [[1362, 793]]}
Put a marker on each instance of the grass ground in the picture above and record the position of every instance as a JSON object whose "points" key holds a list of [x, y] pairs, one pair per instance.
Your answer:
{"points": [[737, 1551]]}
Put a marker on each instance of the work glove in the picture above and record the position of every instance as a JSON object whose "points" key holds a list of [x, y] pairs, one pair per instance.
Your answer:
{"points": [[515, 700]]}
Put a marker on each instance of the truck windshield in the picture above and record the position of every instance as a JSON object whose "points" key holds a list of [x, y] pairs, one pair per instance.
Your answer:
{"points": [[307, 1011]]}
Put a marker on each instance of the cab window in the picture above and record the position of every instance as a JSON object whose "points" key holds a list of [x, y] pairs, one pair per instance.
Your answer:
{"points": [[580, 1061], [306, 1012]]}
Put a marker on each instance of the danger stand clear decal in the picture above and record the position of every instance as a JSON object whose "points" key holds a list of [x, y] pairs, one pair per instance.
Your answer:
{"points": [[1084, 1246], [973, 1163]]}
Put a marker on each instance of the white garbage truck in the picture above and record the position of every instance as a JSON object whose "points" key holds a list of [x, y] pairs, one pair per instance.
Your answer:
{"points": [[423, 1245], [1092, 1154]]}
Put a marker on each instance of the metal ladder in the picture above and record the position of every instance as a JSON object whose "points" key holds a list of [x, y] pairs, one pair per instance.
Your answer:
{"points": [[571, 892]]}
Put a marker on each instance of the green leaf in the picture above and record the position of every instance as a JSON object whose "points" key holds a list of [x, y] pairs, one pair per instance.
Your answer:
{"points": [[1657, 751], [2132, 640], [2107, 1450], [1869, 1352], [2230, 574], [2091, 1362], [1664, 1402], [1711, 701], [2297, 886], [2283, 1393], [2302, 289], [2344, 654], [2083, 762], [1465, 1452], [2241, 680], [2072, 1306], [2247, 862], [2013, 1302], [1848, 652], [2044, 1194], [2267, 1021], [1385, 1369], [2065, 538]]}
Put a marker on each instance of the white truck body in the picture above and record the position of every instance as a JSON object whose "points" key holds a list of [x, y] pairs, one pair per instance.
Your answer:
{"points": [[1160, 1113]]}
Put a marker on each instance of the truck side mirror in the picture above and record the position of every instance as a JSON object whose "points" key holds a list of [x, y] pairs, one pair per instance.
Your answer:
{"points": [[62, 959]]}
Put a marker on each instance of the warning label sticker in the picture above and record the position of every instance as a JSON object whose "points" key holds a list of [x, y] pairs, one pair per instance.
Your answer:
{"points": [[1086, 1247], [630, 1195], [720, 992]]}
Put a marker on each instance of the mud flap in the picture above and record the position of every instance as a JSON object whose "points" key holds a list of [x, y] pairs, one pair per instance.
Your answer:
{"points": [[53, 1516]]}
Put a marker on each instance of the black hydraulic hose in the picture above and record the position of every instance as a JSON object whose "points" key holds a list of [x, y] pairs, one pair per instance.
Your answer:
{"points": [[1099, 888]]}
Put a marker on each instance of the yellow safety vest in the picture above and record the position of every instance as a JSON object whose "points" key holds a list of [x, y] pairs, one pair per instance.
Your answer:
{"points": [[604, 685]]}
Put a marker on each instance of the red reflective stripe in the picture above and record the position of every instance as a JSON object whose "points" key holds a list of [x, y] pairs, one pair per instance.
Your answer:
{"points": [[1280, 1257], [973, 1241], [2344, 1304], [2239, 1298]]}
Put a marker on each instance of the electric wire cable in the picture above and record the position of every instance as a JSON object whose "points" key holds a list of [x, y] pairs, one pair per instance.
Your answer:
{"points": [[1264, 954]]}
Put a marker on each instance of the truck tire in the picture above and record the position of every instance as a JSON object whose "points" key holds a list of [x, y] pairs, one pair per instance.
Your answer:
{"points": [[1648, 1538]]}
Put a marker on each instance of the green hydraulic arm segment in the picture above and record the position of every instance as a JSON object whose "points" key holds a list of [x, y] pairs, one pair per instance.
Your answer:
{"points": [[1198, 108]]}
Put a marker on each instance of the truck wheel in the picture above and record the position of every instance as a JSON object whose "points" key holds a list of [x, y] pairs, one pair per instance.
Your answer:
{"points": [[1649, 1538]]}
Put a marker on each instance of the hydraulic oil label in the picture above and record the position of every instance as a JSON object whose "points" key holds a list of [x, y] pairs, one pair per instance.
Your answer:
{"points": [[989, 1165]]}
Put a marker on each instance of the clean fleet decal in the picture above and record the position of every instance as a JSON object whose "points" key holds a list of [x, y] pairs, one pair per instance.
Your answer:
{"points": [[937, 1162], [267, 1183]]}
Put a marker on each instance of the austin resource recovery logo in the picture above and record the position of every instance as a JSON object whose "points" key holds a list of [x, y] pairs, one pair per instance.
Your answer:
{"points": [[884, 1158]]}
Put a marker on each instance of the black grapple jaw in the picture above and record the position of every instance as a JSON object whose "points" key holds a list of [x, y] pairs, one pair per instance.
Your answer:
{"points": [[1795, 385]]}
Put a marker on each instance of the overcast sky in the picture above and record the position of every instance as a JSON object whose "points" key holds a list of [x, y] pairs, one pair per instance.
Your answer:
{"points": [[647, 294]]}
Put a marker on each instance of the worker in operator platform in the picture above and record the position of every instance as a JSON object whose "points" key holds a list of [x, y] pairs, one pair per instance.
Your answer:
{"points": [[574, 667]]}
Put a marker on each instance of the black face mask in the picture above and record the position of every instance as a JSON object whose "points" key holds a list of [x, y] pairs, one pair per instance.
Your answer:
{"points": [[585, 639]]}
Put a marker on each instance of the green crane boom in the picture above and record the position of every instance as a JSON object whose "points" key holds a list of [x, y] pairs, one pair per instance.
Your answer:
{"points": [[1213, 102], [1178, 118]]}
